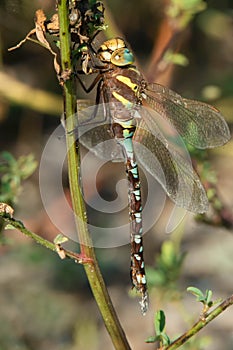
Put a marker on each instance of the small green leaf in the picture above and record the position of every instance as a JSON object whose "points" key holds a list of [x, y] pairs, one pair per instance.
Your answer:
{"points": [[183, 10], [159, 322], [58, 44], [12, 173], [26, 165], [176, 58], [208, 297], [60, 238], [152, 339], [165, 339], [197, 292], [8, 157], [9, 227]]}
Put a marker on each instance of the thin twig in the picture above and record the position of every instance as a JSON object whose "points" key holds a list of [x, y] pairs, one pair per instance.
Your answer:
{"points": [[200, 324], [39, 239]]}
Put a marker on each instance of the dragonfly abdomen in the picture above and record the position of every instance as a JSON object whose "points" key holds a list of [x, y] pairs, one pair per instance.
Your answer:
{"points": [[123, 133]]}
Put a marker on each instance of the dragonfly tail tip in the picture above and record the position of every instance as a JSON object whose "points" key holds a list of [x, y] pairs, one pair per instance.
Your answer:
{"points": [[144, 303]]}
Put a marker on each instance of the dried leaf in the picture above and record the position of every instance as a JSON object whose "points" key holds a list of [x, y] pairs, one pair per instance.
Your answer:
{"points": [[5, 208]]}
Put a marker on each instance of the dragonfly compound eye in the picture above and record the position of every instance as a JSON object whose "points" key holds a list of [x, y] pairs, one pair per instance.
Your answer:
{"points": [[122, 57]]}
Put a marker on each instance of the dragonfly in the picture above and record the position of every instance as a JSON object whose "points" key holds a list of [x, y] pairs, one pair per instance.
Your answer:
{"points": [[130, 106]]}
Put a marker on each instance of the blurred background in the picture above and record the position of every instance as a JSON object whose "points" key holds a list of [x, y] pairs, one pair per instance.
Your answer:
{"points": [[46, 302]]}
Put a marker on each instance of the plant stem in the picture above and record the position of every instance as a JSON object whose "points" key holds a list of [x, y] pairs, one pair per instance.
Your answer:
{"points": [[200, 324], [40, 240], [92, 270]]}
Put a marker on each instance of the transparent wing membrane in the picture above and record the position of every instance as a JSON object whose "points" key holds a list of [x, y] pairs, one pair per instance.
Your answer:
{"points": [[95, 134], [200, 124], [171, 170]]}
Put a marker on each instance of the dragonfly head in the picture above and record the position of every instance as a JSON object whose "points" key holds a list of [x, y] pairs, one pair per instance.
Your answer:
{"points": [[115, 51]]}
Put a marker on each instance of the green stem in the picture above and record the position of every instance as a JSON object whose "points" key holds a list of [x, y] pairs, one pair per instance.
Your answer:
{"points": [[92, 270], [40, 240], [200, 324], [20, 226]]}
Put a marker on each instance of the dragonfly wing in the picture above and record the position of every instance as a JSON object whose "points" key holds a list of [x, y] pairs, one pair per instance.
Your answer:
{"points": [[94, 133], [198, 123], [173, 172]]}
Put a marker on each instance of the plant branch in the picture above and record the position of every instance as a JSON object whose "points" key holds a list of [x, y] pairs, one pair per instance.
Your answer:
{"points": [[200, 324], [40, 240], [92, 270]]}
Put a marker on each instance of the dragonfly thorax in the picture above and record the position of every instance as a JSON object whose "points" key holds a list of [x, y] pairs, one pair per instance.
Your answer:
{"points": [[122, 88]]}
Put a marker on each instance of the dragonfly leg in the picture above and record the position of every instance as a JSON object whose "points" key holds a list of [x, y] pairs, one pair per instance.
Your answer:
{"points": [[93, 84], [101, 100]]}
